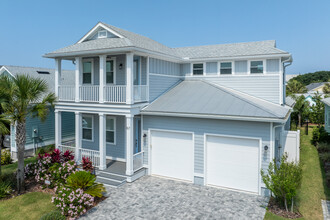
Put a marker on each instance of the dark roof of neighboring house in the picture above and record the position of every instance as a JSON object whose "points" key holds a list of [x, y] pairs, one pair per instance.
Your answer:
{"points": [[197, 97], [129, 39], [314, 85]]}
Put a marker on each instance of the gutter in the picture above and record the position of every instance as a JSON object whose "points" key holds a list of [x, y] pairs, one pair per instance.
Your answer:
{"points": [[289, 62]]}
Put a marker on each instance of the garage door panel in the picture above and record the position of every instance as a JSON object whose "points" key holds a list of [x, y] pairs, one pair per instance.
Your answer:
{"points": [[233, 162], [172, 154]]}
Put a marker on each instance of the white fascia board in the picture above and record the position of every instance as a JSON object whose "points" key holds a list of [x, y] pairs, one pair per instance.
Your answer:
{"points": [[3, 68], [238, 118]]}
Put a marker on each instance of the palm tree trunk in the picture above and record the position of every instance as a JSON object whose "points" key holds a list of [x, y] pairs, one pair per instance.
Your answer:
{"points": [[20, 143], [299, 120]]}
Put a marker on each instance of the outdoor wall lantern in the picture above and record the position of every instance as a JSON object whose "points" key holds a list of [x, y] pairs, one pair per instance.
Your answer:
{"points": [[120, 66], [265, 147]]}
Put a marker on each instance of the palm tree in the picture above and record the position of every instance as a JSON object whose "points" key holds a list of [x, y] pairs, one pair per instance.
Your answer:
{"points": [[294, 87], [326, 88], [301, 108], [3, 130], [21, 97]]}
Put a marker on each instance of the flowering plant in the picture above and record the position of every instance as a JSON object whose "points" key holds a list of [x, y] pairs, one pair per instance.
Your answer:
{"points": [[68, 156], [87, 164], [56, 156], [72, 203], [59, 172]]}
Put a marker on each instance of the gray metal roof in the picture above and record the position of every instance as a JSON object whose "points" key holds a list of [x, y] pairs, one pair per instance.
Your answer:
{"points": [[67, 77], [326, 101], [314, 85], [131, 39], [204, 98], [289, 101]]}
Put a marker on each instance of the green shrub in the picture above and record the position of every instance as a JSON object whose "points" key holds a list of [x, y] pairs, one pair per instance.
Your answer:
{"points": [[6, 157], [40, 151], [54, 215], [50, 148], [5, 189], [9, 178], [316, 136], [283, 180], [86, 181], [320, 135], [325, 157], [323, 147]]}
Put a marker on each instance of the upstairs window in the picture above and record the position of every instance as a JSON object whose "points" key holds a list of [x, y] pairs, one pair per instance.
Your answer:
{"points": [[256, 67], [87, 72], [87, 127], [225, 68], [102, 34], [198, 69], [110, 72], [110, 130]]}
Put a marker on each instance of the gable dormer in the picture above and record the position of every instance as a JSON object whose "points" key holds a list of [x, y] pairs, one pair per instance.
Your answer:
{"points": [[100, 31]]}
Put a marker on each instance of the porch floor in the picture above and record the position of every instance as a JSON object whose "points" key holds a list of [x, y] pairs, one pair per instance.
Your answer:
{"points": [[116, 167]]}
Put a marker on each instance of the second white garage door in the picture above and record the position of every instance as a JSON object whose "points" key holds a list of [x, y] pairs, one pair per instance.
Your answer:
{"points": [[172, 154], [233, 162]]}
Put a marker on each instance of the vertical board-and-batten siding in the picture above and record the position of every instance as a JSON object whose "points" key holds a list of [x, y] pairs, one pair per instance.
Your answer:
{"points": [[117, 150], [163, 76], [201, 126]]}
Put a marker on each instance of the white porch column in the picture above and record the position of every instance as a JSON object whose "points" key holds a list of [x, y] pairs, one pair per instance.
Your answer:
{"points": [[103, 70], [102, 141], [129, 78], [129, 144], [78, 78], [58, 128], [58, 72], [78, 137], [148, 88]]}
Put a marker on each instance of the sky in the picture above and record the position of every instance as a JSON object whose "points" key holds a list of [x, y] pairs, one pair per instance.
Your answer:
{"points": [[29, 29]]}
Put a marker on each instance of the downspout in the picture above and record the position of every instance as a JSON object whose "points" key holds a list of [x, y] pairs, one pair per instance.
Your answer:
{"points": [[289, 62]]}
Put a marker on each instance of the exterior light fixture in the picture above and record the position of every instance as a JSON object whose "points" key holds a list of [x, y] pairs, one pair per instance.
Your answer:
{"points": [[265, 147], [120, 66]]}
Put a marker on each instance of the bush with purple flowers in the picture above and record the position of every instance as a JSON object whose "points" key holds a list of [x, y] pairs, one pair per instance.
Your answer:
{"points": [[72, 203]]}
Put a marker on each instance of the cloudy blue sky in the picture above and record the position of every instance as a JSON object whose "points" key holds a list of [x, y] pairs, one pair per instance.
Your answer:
{"points": [[30, 29]]}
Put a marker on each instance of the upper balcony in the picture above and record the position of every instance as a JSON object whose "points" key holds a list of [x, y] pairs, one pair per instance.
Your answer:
{"points": [[119, 79]]}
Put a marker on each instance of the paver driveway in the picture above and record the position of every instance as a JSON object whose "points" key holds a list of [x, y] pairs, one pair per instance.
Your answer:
{"points": [[158, 198]]}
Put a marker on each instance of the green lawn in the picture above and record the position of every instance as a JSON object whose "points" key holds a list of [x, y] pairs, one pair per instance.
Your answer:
{"points": [[313, 187], [6, 169]]}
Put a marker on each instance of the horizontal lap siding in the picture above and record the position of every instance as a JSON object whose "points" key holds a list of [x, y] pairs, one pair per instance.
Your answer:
{"points": [[265, 87], [68, 124], [202, 126], [161, 84], [164, 67]]}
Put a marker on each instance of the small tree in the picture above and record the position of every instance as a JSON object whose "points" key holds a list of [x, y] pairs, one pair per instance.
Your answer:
{"points": [[317, 110], [295, 87], [283, 180], [301, 108]]}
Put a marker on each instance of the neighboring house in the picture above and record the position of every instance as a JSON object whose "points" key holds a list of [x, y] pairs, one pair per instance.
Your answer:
{"points": [[40, 133], [315, 87], [326, 102], [309, 97], [210, 115]]}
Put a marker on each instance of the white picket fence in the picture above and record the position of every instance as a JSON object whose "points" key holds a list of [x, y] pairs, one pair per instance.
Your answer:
{"points": [[291, 145]]}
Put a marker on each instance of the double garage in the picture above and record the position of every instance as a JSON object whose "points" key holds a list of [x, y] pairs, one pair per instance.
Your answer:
{"points": [[231, 162]]}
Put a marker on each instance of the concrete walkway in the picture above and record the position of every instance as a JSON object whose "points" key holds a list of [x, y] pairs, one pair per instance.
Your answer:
{"points": [[158, 198], [326, 209]]}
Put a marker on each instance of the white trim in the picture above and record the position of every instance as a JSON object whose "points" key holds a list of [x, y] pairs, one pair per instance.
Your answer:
{"points": [[272, 142], [220, 62], [192, 68], [229, 75], [3, 69], [114, 71], [91, 32], [199, 175], [82, 71], [114, 129], [263, 67], [148, 76], [164, 75], [233, 136], [98, 34], [173, 131], [116, 158], [82, 126]]}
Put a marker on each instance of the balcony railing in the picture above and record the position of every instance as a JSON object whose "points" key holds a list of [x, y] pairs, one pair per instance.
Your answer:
{"points": [[112, 94], [137, 161]]}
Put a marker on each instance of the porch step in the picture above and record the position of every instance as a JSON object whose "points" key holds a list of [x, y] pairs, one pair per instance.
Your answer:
{"points": [[109, 182], [113, 177]]}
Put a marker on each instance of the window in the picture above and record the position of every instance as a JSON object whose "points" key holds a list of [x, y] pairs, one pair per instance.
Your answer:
{"points": [[110, 72], [256, 67], [225, 68], [110, 130], [87, 72], [198, 69], [87, 127], [102, 34]]}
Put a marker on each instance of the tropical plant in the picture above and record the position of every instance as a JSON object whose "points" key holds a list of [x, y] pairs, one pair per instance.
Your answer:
{"points": [[87, 164], [5, 157], [3, 130], [56, 156], [301, 108], [68, 155], [53, 215], [86, 181], [283, 179], [5, 189], [326, 88], [295, 87], [317, 110], [21, 97]]}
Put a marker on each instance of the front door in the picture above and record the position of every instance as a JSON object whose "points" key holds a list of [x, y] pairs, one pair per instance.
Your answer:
{"points": [[137, 146]]}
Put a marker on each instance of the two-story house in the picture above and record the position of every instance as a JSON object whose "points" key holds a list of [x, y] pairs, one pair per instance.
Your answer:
{"points": [[209, 115]]}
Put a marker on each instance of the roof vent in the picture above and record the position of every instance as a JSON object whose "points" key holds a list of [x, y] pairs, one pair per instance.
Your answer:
{"points": [[43, 72]]}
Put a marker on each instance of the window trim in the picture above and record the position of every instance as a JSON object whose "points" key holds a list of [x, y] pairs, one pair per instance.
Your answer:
{"points": [[192, 68], [114, 71], [227, 74], [82, 127], [263, 67], [92, 72], [114, 130], [98, 34]]}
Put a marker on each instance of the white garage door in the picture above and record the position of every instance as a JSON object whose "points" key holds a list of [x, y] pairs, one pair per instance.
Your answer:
{"points": [[172, 154], [233, 163]]}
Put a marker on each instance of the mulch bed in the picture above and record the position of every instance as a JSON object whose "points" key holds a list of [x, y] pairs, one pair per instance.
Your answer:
{"points": [[280, 211]]}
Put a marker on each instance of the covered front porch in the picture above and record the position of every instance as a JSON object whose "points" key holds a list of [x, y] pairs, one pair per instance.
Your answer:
{"points": [[111, 142]]}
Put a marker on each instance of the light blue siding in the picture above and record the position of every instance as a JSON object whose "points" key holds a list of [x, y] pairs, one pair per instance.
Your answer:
{"points": [[116, 151], [327, 117], [185, 69], [211, 68], [272, 66], [241, 67], [261, 86], [164, 67], [160, 84], [202, 126], [109, 34]]}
